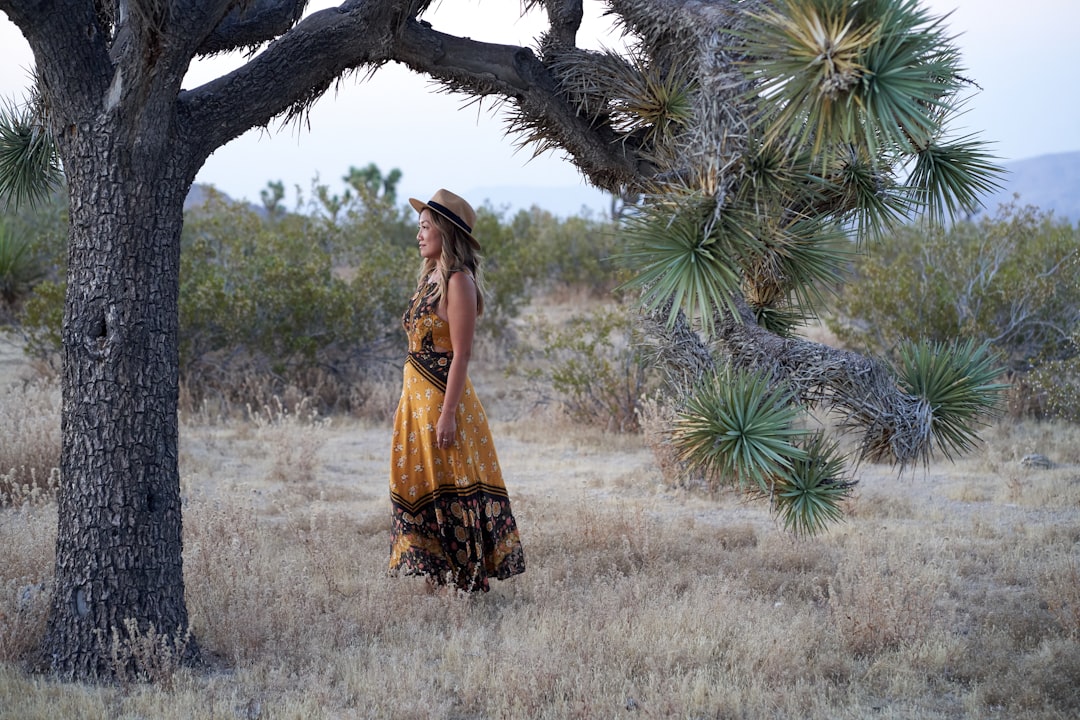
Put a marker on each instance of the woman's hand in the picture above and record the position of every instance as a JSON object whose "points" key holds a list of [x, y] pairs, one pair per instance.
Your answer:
{"points": [[446, 428]]}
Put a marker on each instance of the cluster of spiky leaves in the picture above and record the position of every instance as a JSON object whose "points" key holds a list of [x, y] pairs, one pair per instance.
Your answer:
{"points": [[834, 100], [694, 256], [875, 80], [29, 166], [958, 382], [741, 428], [811, 496]]}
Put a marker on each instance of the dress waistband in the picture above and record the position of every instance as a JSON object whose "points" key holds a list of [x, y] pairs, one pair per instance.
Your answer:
{"points": [[434, 366]]}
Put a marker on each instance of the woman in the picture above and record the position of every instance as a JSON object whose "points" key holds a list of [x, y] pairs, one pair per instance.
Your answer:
{"points": [[451, 513]]}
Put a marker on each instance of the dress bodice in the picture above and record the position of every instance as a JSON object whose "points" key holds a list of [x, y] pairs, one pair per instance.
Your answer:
{"points": [[428, 333]]}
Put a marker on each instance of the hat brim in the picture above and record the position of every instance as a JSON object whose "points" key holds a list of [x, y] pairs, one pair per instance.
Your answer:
{"points": [[420, 205]]}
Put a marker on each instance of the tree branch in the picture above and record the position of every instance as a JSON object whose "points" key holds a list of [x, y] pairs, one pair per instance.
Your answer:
{"points": [[895, 426], [249, 25], [82, 64], [298, 67], [516, 74]]}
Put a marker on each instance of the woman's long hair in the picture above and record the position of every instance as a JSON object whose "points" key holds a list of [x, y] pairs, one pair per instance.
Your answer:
{"points": [[458, 255]]}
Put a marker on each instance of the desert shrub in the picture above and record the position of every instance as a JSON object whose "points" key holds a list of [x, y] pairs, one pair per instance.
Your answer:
{"points": [[285, 297], [1051, 389], [594, 366], [31, 250], [289, 297], [1012, 281], [309, 302], [19, 266], [573, 253], [42, 318]]}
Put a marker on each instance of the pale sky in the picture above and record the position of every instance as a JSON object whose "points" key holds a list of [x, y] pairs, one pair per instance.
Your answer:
{"points": [[1023, 55]]}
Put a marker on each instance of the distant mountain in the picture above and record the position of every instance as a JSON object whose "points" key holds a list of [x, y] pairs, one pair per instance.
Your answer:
{"points": [[1049, 182]]}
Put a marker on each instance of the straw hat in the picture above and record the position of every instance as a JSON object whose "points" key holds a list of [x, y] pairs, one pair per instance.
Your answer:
{"points": [[452, 207]]}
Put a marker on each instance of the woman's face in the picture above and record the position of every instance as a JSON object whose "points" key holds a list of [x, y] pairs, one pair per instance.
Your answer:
{"points": [[429, 237]]}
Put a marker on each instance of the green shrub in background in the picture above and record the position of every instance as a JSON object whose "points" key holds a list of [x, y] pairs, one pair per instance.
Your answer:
{"points": [[575, 253], [1012, 280], [41, 321], [287, 296], [19, 267], [312, 299], [594, 364], [536, 254], [31, 241]]}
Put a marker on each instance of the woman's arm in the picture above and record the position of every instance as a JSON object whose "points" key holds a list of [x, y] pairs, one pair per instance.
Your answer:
{"points": [[461, 314]]}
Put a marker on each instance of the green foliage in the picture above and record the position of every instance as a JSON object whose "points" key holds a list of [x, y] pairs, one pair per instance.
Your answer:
{"points": [[296, 293], [881, 77], [301, 297], [740, 428], [371, 182], [1012, 281], [696, 258], [1051, 390], [810, 495], [42, 319], [29, 164], [957, 382], [684, 258], [594, 364], [19, 266], [535, 253], [32, 249]]}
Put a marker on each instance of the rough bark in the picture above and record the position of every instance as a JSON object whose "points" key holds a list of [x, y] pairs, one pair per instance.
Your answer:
{"points": [[119, 547]]}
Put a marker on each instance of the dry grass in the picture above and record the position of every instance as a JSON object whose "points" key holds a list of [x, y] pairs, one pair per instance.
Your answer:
{"points": [[952, 593], [29, 441]]}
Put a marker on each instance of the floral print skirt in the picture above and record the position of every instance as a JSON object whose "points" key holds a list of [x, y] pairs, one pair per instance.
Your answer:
{"points": [[451, 512]]}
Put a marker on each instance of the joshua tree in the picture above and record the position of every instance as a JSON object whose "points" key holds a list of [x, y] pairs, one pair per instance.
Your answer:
{"points": [[759, 135]]}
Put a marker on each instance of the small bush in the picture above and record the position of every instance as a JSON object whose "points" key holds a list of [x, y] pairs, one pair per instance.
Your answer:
{"points": [[275, 303], [20, 268], [594, 365]]}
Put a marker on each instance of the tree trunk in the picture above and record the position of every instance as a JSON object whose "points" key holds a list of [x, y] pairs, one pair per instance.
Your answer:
{"points": [[118, 548]]}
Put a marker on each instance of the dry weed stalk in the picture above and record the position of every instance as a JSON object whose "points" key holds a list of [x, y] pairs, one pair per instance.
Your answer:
{"points": [[146, 656]]}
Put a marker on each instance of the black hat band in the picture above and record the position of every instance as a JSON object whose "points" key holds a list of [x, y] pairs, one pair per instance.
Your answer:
{"points": [[451, 216]]}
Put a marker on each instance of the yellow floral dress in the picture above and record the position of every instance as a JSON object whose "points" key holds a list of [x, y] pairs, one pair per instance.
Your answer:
{"points": [[451, 512]]}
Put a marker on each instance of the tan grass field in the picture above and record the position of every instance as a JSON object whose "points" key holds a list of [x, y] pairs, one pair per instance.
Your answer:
{"points": [[952, 592]]}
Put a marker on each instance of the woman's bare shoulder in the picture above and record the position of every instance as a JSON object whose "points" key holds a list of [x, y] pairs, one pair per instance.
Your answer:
{"points": [[462, 280]]}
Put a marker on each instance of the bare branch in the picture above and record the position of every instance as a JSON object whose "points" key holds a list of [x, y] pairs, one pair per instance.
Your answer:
{"points": [[249, 25]]}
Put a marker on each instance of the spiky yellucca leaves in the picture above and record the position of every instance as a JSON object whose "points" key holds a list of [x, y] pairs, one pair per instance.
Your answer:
{"points": [[882, 76], [29, 166], [958, 383], [739, 428]]}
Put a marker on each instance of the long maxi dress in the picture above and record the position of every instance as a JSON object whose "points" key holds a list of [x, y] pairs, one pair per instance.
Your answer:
{"points": [[451, 512]]}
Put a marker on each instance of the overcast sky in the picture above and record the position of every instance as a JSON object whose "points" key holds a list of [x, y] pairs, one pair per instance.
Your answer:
{"points": [[1023, 54]]}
